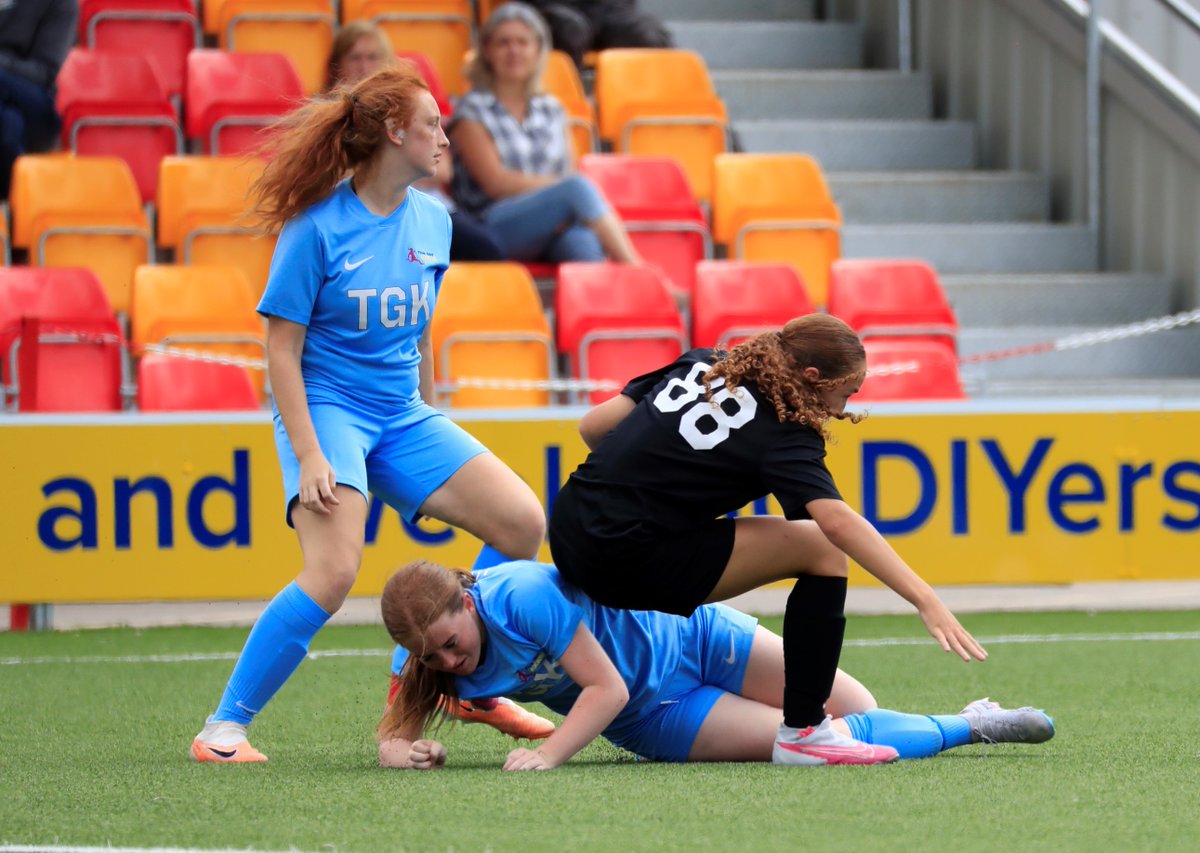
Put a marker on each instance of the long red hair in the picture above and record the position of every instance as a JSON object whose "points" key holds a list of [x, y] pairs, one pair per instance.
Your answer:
{"points": [[313, 147]]}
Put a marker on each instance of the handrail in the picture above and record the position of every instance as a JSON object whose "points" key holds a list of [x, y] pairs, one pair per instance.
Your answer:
{"points": [[1185, 11]]}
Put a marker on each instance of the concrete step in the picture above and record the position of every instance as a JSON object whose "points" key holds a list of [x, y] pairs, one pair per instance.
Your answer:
{"points": [[731, 10], [1174, 353], [1101, 299], [958, 196], [1152, 390], [771, 44], [867, 145], [987, 247], [771, 94]]}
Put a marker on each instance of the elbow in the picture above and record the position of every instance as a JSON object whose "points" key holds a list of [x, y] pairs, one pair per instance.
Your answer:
{"points": [[620, 696]]}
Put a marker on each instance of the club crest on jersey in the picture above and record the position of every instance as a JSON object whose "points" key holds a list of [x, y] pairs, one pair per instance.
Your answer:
{"points": [[416, 256], [541, 676]]}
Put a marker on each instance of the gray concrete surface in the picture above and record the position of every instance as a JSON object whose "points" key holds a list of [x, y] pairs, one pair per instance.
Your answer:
{"points": [[1122, 595]]}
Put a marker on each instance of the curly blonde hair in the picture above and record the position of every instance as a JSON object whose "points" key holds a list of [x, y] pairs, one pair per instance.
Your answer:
{"points": [[775, 362], [415, 597]]}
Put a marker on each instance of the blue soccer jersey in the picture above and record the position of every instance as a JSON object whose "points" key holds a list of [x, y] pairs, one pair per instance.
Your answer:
{"points": [[366, 287], [532, 615]]}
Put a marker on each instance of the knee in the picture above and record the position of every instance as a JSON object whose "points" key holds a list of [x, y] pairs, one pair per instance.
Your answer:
{"points": [[335, 570], [524, 533], [585, 197], [831, 562]]}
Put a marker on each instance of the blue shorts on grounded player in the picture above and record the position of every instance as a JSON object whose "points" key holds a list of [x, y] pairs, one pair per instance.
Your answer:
{"points": [[402, 458], [667, 731]]}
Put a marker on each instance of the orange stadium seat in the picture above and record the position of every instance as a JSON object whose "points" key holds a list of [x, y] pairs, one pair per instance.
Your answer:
{"points": [[892, 298], [202, 208], [655, 202], [163, 31], [300, 29], [232, 96], [429, 74], [616, 321], [206, 309], [661, 101], [909, 369], [81, 211], [169, 384], [489, 324], [777, 207], [735, 300], [53, 294], [441, 29], [563, 82], [114, 103]]}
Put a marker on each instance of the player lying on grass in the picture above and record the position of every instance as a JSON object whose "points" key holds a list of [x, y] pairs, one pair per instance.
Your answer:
{"points": [[664, 686]]}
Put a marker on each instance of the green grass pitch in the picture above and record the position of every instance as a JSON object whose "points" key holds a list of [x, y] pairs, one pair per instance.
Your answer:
{"points": [[95, 733]]}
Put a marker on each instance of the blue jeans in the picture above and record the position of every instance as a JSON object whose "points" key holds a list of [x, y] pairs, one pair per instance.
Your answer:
{"points": [[28, 122], [550, 224]]}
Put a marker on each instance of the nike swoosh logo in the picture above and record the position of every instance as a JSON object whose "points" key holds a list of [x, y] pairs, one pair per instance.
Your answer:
{"points": [[223, 753], [732, 659], [351, 267], [832, 754]]}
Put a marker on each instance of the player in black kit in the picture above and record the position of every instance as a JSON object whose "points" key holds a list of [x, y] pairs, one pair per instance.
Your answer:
{"points": [[642, 524]]}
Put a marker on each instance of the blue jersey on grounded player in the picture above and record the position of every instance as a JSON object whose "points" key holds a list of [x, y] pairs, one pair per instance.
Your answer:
{"points": [[532, 615], [365, 286]]}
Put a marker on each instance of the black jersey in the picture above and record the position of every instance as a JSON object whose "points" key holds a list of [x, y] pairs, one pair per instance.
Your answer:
{"points": [[678, 460]]}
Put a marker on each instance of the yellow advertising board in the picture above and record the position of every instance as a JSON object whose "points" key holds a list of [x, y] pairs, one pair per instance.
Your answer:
{"points": [[139, 508]]}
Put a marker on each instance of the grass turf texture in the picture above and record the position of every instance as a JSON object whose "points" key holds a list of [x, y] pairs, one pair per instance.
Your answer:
{"points": [[95, 753]]}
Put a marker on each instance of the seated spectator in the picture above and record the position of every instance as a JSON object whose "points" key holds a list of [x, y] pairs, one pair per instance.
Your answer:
{"points": [[510, 142], [579, 26], [359, 50], [35, 36]]}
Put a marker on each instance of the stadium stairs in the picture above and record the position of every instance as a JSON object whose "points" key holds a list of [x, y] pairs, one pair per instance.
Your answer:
{"points": [[912, 185]]}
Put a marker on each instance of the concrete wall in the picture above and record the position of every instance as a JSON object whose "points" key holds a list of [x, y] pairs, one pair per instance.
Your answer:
{"points": [[1017, 69]]}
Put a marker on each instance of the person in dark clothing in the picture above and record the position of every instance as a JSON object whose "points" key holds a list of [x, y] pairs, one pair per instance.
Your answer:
{"points": [[577, 26], [35, 36]]}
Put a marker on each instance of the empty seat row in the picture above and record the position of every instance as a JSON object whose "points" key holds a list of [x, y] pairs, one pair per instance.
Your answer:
{"points": [[492, 341]]}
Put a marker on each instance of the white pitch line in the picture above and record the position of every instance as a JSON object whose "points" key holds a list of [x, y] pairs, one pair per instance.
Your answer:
{"points": [[46, 848], [1156, 637]]}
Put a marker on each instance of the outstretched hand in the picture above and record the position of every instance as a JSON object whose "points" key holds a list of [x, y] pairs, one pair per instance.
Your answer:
{"points": [[951, 636], [528, 759]]}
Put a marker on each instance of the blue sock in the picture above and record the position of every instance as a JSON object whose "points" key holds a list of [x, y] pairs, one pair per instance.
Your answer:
{"points": [[912, 735], [276, 645], [488, 557], [956, 731]]}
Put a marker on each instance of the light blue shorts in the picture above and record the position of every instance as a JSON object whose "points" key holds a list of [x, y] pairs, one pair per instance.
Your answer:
{"points": [[402, 458], [706, 672]]}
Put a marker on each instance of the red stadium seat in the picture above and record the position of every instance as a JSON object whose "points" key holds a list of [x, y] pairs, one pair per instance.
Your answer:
{"points": [[170, 384], [163, 31], [114, 104], [70, 365], [735, 300], [909, 369], [616, 321], [655, 202], [58, 294], [892, 298], [232, 96]]}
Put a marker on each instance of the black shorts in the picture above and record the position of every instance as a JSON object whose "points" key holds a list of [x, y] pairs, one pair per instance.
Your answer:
{"points": [[671, 572]]}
